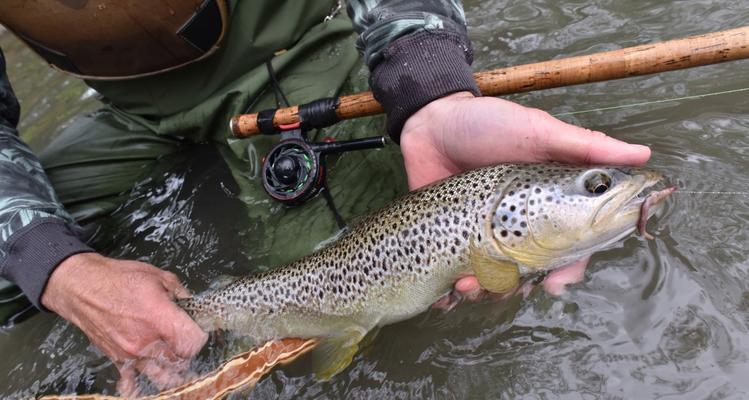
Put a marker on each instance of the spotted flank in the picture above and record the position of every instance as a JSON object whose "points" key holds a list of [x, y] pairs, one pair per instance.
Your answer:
{"points": [[499, 223]]}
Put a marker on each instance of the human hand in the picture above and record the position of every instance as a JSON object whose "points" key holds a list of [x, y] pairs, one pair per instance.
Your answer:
{"points": [[461, 132], [554, 283], [126, 310]]}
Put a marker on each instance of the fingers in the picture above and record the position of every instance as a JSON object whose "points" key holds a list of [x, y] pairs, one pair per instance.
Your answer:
{"points": [[173, 285], [163, 373], [181, 334], [469, 288], [448, 301], [127, 385], [190, 340], [160, 365], [571, 144], [555, 283]]}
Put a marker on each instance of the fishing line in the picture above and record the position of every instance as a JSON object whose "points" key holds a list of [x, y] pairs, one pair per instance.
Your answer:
{"points": [[647, 103]]}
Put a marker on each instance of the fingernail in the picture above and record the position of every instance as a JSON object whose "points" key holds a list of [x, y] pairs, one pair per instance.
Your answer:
{"points": [[182, 293]]}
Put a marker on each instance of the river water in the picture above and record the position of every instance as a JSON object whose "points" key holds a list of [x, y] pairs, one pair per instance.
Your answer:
{"points": [[651, 319]]}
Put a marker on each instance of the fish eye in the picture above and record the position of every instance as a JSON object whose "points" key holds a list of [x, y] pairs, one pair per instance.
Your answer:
{"points": [[597, 182]]}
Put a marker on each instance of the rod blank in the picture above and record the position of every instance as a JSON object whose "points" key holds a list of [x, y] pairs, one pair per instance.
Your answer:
{"points": [[694, 51]]}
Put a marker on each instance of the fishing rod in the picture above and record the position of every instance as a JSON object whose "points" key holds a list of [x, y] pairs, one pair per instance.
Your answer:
{"points": [[693, 51]]}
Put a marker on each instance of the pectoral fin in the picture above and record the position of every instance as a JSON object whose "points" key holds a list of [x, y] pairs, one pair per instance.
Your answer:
{"points": [[494, 275], [335, 353]]}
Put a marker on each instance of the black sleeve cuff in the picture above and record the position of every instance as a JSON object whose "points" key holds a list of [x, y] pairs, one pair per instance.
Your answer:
{"points": [[419, 68], [35, 250]]}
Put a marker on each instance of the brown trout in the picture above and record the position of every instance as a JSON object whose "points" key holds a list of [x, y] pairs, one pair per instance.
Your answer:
{"points": [[499, 223]]}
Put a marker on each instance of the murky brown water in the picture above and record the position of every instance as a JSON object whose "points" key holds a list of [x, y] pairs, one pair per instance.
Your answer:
{"points": [[666, 318]]}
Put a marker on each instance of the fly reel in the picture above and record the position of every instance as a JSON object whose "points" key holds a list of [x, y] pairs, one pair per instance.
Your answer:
{"points": [[294, 171]]}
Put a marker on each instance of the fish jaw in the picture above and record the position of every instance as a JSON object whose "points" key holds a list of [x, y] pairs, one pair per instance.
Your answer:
{"points": [[572, 223]]}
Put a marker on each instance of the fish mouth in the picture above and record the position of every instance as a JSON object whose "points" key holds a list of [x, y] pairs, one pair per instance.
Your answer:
{"points": [[627, 201], [634, 205]]}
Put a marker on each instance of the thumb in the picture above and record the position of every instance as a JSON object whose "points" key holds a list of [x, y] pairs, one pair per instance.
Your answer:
{"points": [[183, 336], [572, 144], [173, 286]]}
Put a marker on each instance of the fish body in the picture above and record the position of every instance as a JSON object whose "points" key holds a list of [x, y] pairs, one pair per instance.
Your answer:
{"points": [[499, 223]]}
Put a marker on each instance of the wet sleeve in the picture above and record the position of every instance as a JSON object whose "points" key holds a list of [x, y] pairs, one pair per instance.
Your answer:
{"points": [[36, 233], [417, 51]]}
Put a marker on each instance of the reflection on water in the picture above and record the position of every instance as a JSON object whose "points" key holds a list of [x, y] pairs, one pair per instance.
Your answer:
{"points": [[668, 317]]}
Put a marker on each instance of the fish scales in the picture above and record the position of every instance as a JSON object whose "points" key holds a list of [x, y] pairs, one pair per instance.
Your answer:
{"points": [[386, 255], [498, 222]]}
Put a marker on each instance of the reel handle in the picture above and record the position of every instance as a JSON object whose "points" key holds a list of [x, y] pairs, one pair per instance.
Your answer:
{"points": [[348, 145]]}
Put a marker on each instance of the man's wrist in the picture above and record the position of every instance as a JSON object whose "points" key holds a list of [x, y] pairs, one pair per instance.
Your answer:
{"points": [[35, 250], [62, 283], [420, 126], [417, 69]]}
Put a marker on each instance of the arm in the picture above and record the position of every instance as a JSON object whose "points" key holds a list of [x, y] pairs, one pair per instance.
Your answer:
{"points": [[417, 52], [419, 56], [36, 233], [124, 307]]}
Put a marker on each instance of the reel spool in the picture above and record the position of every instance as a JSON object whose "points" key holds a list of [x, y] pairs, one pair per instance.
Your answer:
{"points": [[294, 170]]}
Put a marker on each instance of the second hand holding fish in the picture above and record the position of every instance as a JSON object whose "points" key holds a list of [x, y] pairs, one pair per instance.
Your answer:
{"points": [[462, 132]]}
